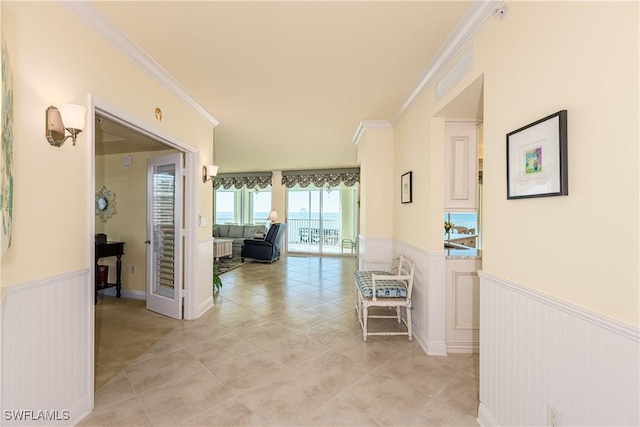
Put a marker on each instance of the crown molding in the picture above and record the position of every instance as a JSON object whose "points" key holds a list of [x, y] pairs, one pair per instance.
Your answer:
{"points": [[475, 17], [369, 124], [93, 19]]}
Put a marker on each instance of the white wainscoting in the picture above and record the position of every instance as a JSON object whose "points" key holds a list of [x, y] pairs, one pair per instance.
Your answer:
{"points": [[47, 348], [537, 351], [428, 299], [203, 281]]}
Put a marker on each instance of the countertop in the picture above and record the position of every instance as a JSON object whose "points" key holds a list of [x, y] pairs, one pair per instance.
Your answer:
{"points": [[456, 251]]}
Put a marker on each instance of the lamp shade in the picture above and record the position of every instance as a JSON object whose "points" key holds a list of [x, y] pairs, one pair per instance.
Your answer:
{"points": [[73, 116], [273, 215], [212, 170]]}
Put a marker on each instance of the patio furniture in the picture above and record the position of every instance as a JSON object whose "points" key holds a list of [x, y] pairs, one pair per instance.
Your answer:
{"points": [[391, 289], [267, 249], [348, 244]]}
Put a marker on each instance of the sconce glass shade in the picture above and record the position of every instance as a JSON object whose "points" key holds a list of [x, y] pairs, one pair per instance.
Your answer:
{"points": [[208, 172], [212, 170], [273, 216], [73, 115]]}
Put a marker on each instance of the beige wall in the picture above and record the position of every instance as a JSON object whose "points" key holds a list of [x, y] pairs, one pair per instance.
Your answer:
{"points": [[129, 223], [544, 57], [377, 183], [55, 60]]}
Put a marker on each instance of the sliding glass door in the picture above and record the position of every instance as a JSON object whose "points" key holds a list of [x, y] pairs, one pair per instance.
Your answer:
{"points": [[322, 220]]}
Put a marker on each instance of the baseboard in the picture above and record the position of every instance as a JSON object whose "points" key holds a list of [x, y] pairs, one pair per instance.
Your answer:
{"points": [[124, 293], [485, 419], [436, 348], [205, 306], [76, 413], [463, 347]]}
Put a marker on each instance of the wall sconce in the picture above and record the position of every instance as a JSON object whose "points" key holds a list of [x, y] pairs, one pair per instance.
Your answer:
{"points": [[208, 172], [74, 116], [273, 216]]}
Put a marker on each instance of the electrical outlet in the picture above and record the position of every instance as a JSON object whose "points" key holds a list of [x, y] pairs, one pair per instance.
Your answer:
{"points": [[133, 269], [554, 417]]}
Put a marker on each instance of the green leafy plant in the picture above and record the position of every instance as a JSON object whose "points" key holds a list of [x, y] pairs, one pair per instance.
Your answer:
{"points": [[217, 282], [448, 226]]}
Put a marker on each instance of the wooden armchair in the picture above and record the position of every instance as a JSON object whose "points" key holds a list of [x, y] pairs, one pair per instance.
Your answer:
{"points": [[390, 289]]}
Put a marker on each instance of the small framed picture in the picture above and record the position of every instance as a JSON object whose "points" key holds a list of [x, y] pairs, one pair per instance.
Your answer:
{"points": [[537, 158], [405, 188]]}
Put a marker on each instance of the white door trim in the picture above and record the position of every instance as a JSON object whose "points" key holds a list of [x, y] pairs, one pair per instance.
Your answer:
{"points": [[190, 185]]}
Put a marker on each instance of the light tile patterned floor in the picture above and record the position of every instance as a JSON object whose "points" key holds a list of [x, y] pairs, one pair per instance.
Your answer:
{"points": [[282, 346]]}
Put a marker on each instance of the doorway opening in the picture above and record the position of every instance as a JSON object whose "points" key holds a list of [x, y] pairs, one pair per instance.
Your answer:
{"points": [[125, 144], [322, 220]]}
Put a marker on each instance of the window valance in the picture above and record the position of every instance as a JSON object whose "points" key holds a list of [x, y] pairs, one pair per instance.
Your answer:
{"points": [[319, 178], [239, 180]]}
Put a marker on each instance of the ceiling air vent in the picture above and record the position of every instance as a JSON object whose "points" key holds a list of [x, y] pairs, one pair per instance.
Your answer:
{"points": [[460, 69]]}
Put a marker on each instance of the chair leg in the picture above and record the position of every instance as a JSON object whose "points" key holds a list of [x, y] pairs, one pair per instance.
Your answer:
{"points": [[398, 314], [409, 323], [365, 314]]}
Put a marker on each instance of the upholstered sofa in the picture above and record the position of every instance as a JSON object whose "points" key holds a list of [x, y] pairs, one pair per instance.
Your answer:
{"points": [[238, 233]]}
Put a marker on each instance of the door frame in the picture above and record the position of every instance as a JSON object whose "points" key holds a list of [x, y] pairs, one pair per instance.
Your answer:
{"points": [[96, 104]]}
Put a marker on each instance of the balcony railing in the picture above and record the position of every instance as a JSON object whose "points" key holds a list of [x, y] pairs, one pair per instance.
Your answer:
{"points": [[304, 235]]}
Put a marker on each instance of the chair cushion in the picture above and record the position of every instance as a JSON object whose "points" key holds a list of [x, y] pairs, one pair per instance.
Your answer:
{"points": [[384, 288], [236, 231]]}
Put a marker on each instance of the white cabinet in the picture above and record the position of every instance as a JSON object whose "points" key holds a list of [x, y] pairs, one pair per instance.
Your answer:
{"points": [[462, 296], [461, 167]]}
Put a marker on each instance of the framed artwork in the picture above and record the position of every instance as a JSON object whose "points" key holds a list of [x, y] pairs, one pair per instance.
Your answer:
{"points": [[6, 151], [405, 188], [537, 158]]}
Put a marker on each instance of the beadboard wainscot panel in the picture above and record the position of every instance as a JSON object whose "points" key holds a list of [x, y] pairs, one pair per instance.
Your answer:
{"points": [[204, 277], [47, 350], [538, 352], [428, 297]]}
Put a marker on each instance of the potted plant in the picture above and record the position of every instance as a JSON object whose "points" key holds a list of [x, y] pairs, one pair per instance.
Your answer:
{"points": [[217, 282]]}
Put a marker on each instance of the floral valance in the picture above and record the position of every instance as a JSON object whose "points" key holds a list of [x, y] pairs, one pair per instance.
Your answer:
{"points": [[319, 178], [239, 180]]}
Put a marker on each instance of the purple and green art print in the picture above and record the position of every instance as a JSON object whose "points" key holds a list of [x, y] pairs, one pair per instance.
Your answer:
{"points": [[533, 161]]}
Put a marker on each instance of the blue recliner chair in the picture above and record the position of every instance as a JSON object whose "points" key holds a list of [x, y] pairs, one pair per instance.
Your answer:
{"points": [[267, 249]]}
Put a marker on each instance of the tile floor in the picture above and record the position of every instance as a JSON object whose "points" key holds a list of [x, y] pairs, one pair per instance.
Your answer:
{"points": [[281, 347]]}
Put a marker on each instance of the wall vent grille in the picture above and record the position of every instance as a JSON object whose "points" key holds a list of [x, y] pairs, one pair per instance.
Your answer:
{"points": [[460, 69]]}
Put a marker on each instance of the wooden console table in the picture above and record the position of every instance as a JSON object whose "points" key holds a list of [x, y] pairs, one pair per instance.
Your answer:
{"points": [[105, 250]]}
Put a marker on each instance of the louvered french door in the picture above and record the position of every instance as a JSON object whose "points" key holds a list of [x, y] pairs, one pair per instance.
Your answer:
{"points": [[164, 235]]}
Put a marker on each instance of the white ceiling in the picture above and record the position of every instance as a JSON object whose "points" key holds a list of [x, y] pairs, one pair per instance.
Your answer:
{"points": [[291, 75]]}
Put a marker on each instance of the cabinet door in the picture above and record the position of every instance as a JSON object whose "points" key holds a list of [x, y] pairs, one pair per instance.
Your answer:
{"points": [[461, 167]]}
